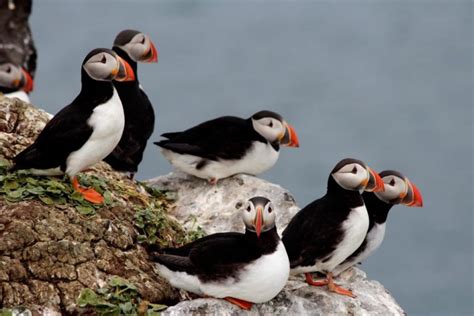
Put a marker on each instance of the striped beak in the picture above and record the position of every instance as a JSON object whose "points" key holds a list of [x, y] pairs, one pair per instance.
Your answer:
{"points": [[374, 183], [289, 138], [124, 72], [413, 196]]}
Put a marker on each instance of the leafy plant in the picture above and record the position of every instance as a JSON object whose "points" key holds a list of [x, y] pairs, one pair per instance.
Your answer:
{"points": [[21, 185], [119, 297]]}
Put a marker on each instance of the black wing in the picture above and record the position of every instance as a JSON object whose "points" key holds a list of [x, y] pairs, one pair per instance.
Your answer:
{"points": [[66, 132], [139, 125], [314, 232], [225, 137]]}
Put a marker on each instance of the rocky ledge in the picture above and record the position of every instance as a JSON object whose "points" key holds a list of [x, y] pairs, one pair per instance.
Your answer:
{"points": [[53, 246]]}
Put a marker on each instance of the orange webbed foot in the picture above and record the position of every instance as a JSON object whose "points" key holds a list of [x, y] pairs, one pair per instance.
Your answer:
{"points": [[89, 194], [240, 303], [310, 281], [333, 287]]}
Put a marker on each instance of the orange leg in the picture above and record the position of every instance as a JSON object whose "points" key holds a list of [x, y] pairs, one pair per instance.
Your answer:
{"points": [[240, 303], [212, 181], [333, 287], [90, 194], [310, 281]]}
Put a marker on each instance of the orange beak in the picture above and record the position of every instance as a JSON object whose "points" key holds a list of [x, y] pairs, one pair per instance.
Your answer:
{"points": [[374, 183], [151, 56], [259, 221], [28, 85], [289, 139], [413, 197], [124, 71]]}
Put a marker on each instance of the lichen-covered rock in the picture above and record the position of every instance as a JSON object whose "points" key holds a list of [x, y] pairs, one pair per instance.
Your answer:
{"points": [[298, 298], [49, 253], [216, 208]]}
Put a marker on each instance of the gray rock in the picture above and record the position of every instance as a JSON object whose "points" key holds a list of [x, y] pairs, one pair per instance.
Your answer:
{"points": [[298, 298], [216, 208]]}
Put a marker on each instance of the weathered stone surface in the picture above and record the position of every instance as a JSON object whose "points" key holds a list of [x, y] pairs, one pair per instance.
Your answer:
{"points": [[298, 298], [216, 208], [49, 253]]}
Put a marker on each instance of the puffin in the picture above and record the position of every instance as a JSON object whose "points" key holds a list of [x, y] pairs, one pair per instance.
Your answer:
{"points": [[242, 268], [133, 46], [15, 82], [229, 145], [398, 190], [328, 230], [87, 130]]}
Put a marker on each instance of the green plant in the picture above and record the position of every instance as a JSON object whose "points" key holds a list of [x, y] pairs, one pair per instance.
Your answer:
{"points": [[119, 297], [21, 185]]}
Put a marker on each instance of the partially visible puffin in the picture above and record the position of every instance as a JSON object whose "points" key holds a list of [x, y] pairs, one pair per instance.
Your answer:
{"points": [[15, 82], [398, 190], [229, 145], [327, 231], [133, 46], [241, 268], [85, 131]]}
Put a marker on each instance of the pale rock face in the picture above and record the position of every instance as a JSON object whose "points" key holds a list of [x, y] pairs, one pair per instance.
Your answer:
{"points": [[217, 209], [298, 298]]}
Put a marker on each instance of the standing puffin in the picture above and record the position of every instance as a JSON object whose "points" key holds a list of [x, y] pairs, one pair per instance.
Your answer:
{"points": [[327, 231], [241, 268], [398, 190], [229, 145], [15, 82], [85, 131], [133, 46]]}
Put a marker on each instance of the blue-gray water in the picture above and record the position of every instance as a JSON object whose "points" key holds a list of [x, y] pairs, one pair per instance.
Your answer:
{"points": [[387, 82]]}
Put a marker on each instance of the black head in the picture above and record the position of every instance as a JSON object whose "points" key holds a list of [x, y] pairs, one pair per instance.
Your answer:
{"points": [[274, 129], [103, 64], [137, 45], [399, 190], [353, 174], [259, 215]]}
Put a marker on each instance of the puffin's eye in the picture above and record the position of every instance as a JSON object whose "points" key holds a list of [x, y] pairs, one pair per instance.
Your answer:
{"points": [[104, 59], [271, 124], [354, 170], [392, 182], [270, 209], [143, 40], [249, 208], [9, 69]]}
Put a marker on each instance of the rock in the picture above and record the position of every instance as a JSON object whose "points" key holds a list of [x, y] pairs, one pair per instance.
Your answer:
{"points": [[298, 298], [216, 208], [49, 253]]}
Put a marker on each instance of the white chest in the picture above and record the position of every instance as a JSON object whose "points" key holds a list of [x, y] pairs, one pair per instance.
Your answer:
{"points": [[107, 121]]}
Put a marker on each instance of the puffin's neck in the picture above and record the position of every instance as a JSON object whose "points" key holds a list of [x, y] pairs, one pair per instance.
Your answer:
{"points": [[94, 92], [350, 198], [132, 64], [377, 209], [267, 242]]}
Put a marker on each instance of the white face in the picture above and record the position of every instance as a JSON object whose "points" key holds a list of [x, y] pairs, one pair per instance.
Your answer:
{"points": [[395, 189], [102, 66], [270, 128], [10, 76], [249, 214], [351, 176], [138, 46]]}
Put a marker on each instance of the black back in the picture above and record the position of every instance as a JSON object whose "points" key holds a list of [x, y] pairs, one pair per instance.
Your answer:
{"points": [[316, 230], [68, 129], [219, 256], [226, 137], [139, 122]]}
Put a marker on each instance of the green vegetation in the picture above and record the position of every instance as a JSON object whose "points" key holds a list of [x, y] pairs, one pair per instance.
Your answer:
{"points": [[22, 186], [119, 297]]}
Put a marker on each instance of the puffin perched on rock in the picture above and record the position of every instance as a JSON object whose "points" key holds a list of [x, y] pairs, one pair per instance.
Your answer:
{"points": [[15, 82], [398, 190], [327, 231], [87, 130], [133, 46], [229, 145], [241, 268]]}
